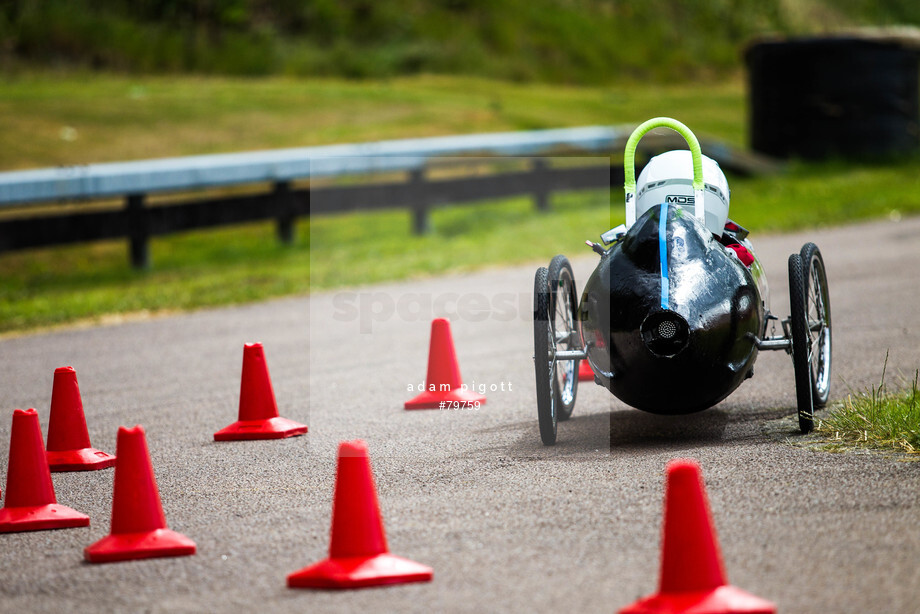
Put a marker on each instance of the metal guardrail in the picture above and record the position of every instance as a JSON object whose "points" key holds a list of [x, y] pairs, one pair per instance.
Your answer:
{"points": [[221, 170], [136, 181]]}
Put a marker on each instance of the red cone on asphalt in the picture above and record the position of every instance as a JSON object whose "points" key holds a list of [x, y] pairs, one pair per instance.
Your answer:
{"points": [[443, 384], [692, 577], [358, 553], [138, 524], [585, 372], [68, 440], [30, 501], [258, 416]]}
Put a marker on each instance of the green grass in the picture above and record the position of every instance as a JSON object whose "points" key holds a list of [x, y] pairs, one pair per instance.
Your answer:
{"points": [[588, 41], [562, 41], [231, 265], [117, 117], [876, 419], [823, 194]]}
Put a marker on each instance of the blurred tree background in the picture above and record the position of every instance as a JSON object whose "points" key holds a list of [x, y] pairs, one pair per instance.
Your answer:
{"points": [[559, 41]]}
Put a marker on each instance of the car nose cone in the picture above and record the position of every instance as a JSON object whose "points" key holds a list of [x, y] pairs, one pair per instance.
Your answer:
{"points": [[665, 333]]}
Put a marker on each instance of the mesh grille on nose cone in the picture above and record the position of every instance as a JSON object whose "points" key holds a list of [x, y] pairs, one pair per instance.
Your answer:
{"points": [[665, 333], [667, 329]]}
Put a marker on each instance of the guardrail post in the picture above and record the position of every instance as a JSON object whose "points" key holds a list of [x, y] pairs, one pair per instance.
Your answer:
{"points": [[540, 194], [138, 231], [420, 222], [285, 203]]}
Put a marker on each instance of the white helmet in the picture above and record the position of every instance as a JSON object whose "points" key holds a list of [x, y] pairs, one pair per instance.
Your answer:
{"points": [[668, 178]]}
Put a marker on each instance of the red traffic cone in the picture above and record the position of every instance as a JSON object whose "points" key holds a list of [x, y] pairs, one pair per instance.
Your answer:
{"points": [[258, 417], [443, 384], [692, 576], [358, 553], [68, 440], [30, 501], [138, 524], [585, 372]]}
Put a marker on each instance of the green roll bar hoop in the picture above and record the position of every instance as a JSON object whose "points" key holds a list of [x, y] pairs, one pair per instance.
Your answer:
{"points": [[629, 165]]}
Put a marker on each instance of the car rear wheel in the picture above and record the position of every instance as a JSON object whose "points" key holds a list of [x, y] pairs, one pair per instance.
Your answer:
{"points": [[818, 305], [804, 381], [563, 303], [544, 357]]}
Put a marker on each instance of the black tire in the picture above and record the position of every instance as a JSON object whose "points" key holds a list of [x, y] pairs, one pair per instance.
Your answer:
{"points": [[563, 300], [818, 306], [798, 322], [544, 357]]}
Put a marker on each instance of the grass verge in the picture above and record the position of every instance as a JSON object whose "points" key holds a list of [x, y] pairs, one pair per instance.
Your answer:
{"points": [[875, 419], [49, 119]]}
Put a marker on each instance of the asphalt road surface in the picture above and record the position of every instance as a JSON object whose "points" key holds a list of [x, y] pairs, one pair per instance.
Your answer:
{"points": [[507, 524]]}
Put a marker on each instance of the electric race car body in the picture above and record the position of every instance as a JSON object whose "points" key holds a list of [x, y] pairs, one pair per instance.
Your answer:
{"points": [[673, 317]]}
